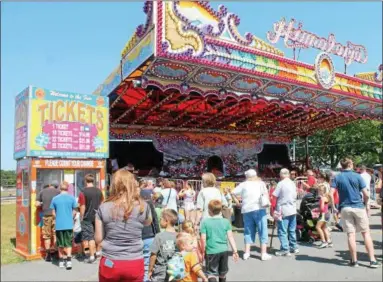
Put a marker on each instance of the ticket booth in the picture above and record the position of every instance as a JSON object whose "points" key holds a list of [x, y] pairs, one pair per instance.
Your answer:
{"points": [[59, 136]]}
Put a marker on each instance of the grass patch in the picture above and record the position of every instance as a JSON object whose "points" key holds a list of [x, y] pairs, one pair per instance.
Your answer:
{"points": [[8, 234], [6, 194]]}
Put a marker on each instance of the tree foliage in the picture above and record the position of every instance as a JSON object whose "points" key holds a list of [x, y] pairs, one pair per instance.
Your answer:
{"points": [[360, 140], [8, 177]]}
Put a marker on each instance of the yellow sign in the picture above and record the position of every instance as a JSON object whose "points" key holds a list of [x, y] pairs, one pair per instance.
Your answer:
{"points": [[64, 124], [227, 185]]}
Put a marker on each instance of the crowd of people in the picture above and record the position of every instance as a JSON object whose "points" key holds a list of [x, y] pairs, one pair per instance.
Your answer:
{"points": [[147, 231], [68, 222]]}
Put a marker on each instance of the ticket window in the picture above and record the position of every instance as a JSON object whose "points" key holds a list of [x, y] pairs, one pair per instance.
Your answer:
{"points": [[80, 179], [75, 178]]}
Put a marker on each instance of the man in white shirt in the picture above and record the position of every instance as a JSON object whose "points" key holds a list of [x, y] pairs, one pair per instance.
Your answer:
{"points": [[286, 194]]}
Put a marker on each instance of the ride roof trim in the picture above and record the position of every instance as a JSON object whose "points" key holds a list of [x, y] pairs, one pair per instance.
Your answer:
{"points": [[192, 48]]}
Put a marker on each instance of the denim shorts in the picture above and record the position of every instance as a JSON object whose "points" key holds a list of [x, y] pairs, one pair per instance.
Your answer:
{"points": [[255, 221]]}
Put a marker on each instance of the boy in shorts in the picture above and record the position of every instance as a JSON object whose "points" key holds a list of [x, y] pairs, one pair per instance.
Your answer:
{"points": [[63, 209], [163, 247], [215, 233]]}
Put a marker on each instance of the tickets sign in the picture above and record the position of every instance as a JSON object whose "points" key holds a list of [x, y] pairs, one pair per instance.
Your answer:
{"points": [[67, 125]]}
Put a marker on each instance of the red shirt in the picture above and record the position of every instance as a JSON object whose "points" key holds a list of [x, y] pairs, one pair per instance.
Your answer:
{"points": [[311, 181], [273, 200]]}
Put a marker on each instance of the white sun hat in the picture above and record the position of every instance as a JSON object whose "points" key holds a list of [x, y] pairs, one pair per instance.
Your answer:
{"points": [[250, 173]]}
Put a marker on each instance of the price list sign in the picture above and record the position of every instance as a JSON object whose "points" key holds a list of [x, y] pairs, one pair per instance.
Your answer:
{"points": [[21, 139], [70, 136]]}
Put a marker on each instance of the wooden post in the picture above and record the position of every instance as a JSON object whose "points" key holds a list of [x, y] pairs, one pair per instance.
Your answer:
{"points": [[307, 152]]}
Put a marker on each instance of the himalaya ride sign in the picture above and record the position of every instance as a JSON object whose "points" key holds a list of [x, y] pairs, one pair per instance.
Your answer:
{"points": [[61, 124], [299, 38]]}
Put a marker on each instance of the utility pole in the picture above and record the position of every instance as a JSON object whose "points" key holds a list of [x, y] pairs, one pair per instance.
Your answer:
{"points": [[294, 150], [307, 151]]}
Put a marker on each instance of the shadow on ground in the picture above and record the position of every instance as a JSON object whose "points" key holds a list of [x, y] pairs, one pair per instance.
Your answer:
{"points": [[13, 242], [334, 261]]}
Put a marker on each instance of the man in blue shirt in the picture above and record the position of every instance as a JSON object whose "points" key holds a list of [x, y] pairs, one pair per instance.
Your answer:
{"points": [[63, 209], [354, 209]]}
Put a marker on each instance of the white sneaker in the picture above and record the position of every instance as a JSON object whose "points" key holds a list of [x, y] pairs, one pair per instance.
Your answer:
{"points": [[295, 251], [246, 256], [68, 265], [265, 257], [61, 264]]}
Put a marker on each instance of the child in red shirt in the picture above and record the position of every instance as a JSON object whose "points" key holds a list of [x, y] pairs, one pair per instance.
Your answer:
{"points": [[273, 199]]}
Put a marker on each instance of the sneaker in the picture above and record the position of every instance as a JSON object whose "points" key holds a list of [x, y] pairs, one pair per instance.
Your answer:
{"points": [[68, 265], [48, 257], [62, 264], [265, 257], [353, 263], [98, 254], [79, 256], [330, 244], [246, 256], [339, 227], [374, 264], [295, 251], [282, 254], [90, 260], [323, 245]]}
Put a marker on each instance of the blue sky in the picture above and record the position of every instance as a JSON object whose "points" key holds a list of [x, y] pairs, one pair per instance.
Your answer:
{"points": [[74, 46]]}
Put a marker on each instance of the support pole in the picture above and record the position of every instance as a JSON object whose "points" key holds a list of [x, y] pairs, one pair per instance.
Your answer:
{"points": [[307, 152], [294, 150]]}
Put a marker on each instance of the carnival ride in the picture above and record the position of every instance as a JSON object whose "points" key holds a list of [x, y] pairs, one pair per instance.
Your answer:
{"points": [[191, 83]]}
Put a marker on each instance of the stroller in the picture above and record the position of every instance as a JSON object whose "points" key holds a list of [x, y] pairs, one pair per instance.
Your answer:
{"points": [[307, 217]]}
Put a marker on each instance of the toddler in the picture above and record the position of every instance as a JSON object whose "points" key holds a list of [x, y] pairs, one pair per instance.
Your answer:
{"points": [[324, 217], [188, 227], [193, 268], [77, 235]]}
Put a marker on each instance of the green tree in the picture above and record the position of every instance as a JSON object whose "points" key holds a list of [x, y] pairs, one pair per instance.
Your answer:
{"points": [[8, 177], [360, 140]]}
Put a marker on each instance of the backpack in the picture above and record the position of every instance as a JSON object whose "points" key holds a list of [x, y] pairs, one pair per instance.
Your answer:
{"points": [[176, 267]]}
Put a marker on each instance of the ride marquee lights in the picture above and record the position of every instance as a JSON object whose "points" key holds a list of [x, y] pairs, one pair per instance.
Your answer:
{"points": [[324, 70], [299, 38]]}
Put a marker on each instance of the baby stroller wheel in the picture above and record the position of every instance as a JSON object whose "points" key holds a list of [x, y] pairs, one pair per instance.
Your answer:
{"points": [[311, 240]]}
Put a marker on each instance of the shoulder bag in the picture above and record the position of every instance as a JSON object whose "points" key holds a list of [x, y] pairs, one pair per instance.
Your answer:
{"points": [[264, 199], [167, 202]]}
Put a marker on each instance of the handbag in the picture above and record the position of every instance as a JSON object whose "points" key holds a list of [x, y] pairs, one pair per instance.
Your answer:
{"points": [[264, 199]]}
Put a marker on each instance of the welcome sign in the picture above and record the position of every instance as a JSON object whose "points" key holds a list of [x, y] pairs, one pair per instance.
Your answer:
{"points": [[67, 125]]}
